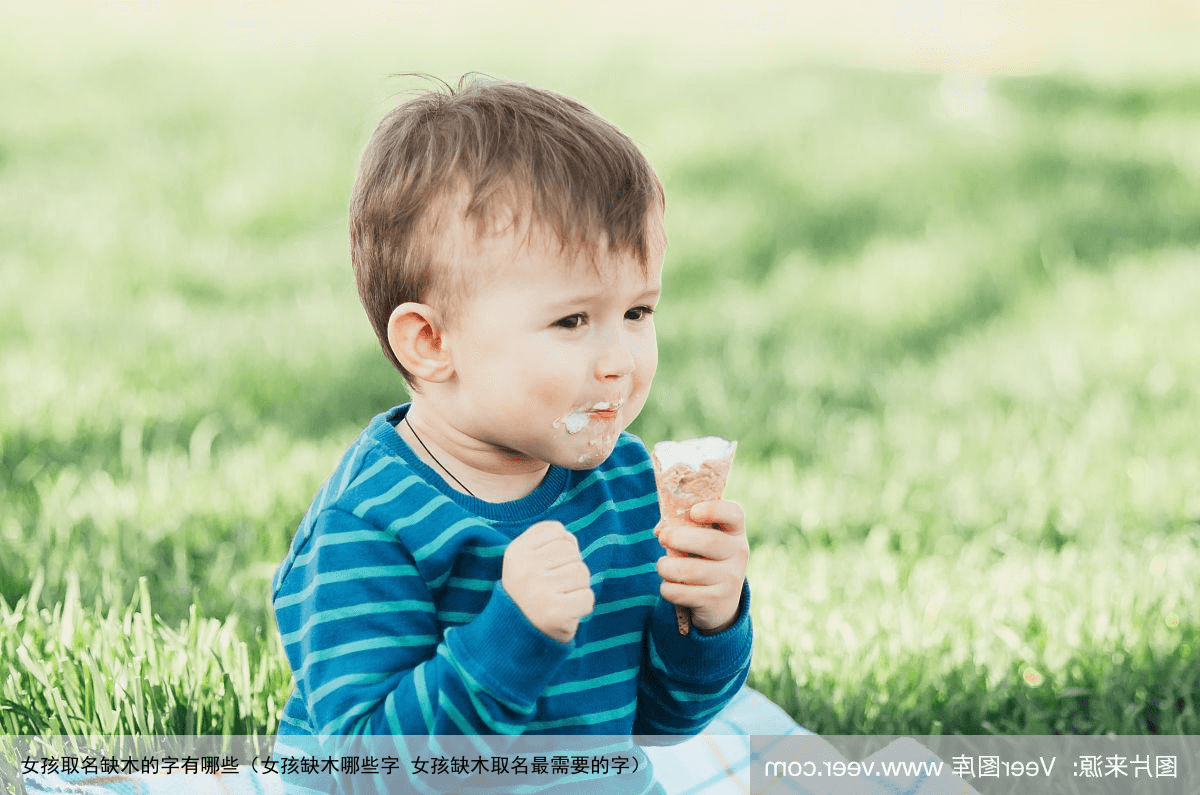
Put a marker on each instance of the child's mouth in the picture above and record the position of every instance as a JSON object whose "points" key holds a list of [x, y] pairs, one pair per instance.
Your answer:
{"points": [[605, 410], [577, 419]]}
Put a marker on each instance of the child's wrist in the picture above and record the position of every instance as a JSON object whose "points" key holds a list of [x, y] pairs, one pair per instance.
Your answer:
{"points": [[717, 630], [717, 627]]}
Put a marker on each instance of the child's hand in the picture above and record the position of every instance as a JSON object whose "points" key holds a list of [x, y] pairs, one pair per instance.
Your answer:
{"points": [[545, 575], [709, 582]]}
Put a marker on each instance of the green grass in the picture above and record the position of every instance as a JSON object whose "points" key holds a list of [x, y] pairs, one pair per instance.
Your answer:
{"points": [[106, 671], [950, 322]]}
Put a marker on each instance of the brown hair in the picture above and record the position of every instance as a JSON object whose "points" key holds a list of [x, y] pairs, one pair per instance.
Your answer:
{"points": [[510, 149]]}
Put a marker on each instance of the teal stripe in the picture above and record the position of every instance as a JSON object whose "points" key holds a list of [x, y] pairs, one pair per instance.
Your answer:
{"points": [[692, 718], [357, 611], [585, 521], [354, 719], [656, 661], [594, 682], [589, 719], [401, 522], [348, 467], [581, 524], [485, 552], [608, 506], [484, 711], [682, 695], [638, 502], [616, 473], [455, 617], [627, 571], [606, 643], [619, 540], [286, 720], [446, 535], [422, 700], [470, 583], [363, 476], [395, 491], [460, 722], [567, 496], [349, 680], [334, 539], [596, 475], [320, 501], [391, 718], [366, 644], [345, 575], [648, 600], [329, 493]]}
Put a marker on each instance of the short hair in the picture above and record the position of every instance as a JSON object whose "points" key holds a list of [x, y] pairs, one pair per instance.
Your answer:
{"points": [[511, 149]]}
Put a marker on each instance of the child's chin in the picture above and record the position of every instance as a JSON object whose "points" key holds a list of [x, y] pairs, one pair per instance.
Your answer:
{"points": [[593, 457]]}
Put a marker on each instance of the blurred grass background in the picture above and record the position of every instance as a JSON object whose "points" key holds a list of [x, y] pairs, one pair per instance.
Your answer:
{"points": [[934, 265]]}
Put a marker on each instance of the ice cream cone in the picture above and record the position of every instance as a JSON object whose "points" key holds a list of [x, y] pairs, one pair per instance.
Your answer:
{"points": [[688, 472]]}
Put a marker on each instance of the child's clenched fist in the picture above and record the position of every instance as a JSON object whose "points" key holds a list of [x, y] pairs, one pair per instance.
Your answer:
{"points": [[545, 575]]}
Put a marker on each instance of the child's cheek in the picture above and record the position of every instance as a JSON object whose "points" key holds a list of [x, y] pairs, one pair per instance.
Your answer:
{"points": [[550, 394], [643, 377], [637, 400]]}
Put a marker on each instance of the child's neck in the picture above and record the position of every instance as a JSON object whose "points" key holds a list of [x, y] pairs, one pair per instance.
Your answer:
{"points": [[466, 464]]}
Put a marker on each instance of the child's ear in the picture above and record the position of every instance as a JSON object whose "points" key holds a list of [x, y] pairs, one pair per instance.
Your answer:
{"points": [[416, 337]]}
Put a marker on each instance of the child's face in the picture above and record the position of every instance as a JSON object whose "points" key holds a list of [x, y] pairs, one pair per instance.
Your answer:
{"points": [[553, 358]]}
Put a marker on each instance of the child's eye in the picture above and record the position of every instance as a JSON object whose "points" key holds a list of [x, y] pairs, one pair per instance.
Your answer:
{"points": [[572, 321], [639, 313]]}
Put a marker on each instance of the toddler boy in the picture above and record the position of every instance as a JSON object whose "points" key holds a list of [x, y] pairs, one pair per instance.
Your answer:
{"points": [[483, 560]]}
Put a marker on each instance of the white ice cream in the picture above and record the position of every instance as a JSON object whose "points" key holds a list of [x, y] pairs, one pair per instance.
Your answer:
{"points": [[573, 422], [692, 452]]}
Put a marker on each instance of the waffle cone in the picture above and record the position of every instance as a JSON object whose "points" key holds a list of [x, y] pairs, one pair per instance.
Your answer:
{"points": [[685, 473]]}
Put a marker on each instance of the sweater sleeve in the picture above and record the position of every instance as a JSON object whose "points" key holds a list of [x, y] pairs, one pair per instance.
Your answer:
{"points": [[687, 679], [368, 654]]}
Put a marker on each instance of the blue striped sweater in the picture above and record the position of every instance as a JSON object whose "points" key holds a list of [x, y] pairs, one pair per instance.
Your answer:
{"points": [[394, 620]]}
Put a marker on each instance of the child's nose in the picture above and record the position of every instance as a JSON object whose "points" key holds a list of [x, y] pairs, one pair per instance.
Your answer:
{"points": [[616, 359]]}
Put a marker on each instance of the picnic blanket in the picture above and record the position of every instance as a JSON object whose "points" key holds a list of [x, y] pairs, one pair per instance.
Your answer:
{"points": [[726, 759]]}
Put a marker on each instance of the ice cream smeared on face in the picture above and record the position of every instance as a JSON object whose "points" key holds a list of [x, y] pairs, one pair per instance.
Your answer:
{"points": [[573, 422], [579, 418]]}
